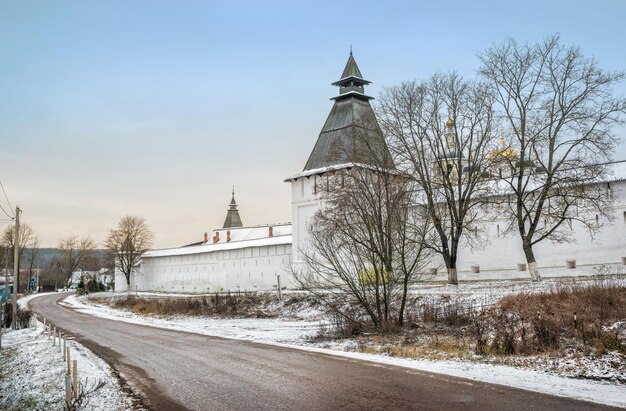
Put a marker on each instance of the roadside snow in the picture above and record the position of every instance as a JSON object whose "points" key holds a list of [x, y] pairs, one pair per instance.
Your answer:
{"points": [[252, 329], [34, 368], [295, 334], [22, 302]]}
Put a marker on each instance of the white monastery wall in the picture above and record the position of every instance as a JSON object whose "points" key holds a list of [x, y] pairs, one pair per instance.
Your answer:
{"points": [[241, 263], [503, 252], [305, 202]]}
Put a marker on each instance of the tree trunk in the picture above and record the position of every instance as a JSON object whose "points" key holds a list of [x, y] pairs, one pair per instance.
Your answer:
{"points": [[405, 290], [452, 276], [532, 263]]}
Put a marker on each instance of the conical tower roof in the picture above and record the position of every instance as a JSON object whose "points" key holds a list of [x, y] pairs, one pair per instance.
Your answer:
{"points": [[232, 216], [351, 133], [352, 69]]}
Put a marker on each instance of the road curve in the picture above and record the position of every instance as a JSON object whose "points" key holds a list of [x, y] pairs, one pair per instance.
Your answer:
{"points": [[177, 370]]}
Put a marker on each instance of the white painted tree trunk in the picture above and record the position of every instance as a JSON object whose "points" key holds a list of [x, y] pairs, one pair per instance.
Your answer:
{"points": [[534, 271], [452, 276]]}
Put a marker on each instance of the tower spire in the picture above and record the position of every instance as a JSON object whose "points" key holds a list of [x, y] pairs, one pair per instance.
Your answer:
{"points": [[351, 132], [232, 216]]}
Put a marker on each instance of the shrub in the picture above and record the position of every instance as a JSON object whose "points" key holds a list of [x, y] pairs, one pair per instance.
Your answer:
{"points": [[23, 316]]}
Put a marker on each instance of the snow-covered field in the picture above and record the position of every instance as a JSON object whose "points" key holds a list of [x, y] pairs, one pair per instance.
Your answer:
{"points": [[32, 374], [296, 334]]}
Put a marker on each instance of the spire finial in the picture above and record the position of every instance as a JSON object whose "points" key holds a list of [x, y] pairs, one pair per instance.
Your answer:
{"points": [[350, 49]]}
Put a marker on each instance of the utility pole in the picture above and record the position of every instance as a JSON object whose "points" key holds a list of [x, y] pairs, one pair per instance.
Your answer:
{"points": [[16, 265], [6, 275]]}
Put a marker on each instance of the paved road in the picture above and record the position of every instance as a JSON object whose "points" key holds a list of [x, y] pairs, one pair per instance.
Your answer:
{"points": [[177, 370]]}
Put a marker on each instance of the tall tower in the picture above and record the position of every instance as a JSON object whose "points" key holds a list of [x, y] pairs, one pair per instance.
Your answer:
{"points": [[232, 216], [350, 137]]}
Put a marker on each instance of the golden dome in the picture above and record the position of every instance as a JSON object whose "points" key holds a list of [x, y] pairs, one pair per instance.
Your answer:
{"points": [[450, 123], [503, 152]]}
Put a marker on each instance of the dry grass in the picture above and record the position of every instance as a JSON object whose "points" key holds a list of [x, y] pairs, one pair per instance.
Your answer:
{"points": [[580, 313], [221, 305], [229, 305], [589, 319]]}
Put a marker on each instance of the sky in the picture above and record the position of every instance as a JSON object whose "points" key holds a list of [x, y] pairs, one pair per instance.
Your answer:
{"points": [[158, 108]]}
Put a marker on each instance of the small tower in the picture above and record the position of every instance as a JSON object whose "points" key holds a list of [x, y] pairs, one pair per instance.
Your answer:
{"points": [[232, 217]]}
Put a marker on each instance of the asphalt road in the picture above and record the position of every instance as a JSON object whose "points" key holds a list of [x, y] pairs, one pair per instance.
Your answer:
{"points": [[177, 370]]}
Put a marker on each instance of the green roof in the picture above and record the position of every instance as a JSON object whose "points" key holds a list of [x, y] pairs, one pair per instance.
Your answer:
{"points": [[351, 133], [351, 69], [232, 216]]}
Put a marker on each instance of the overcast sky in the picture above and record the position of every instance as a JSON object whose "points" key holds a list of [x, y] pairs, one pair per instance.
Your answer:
{"points": [[157, 108]]}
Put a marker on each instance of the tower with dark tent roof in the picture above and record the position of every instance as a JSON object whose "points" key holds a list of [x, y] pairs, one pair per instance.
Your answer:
{"points": [[232, 216], [350, 137], [351, 133]]}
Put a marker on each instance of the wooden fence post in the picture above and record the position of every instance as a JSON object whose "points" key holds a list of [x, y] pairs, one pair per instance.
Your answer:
{"points": [[68, 392], [68, 361], [75, 378], [64, 348]]}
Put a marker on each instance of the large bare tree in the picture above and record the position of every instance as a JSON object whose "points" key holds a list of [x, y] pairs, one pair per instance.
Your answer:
{"points": [[441, 132], [367, 240], [128, 242], [559, 110], [75, 251]]}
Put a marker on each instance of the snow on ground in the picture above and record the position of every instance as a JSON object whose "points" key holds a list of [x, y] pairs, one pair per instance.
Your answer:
{"points": [[489, 292], [22, 302], [32, 374], [296, 334], [252, 329]]}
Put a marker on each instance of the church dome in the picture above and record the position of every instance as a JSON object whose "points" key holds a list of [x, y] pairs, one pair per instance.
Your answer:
{"points": [[503, 152]]}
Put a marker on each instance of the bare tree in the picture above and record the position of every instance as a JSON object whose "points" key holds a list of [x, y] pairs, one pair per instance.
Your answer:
{"points": [[440, 130], [128, 242], [28, 238], [367, 242], [74, 252], [31, 255], [559, 111]]}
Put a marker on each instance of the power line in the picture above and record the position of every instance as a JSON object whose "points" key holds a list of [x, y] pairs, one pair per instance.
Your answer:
{"points": [[5, 212], [8, 202]]}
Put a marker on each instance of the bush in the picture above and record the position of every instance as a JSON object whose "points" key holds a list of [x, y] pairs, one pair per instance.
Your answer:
{"points": [[227, 305], [23, 316]]}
